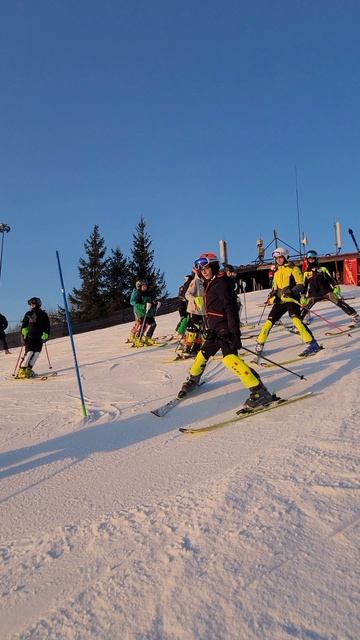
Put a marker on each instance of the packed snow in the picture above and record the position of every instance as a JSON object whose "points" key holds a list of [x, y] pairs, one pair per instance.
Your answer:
{"points": [[119, 527]]}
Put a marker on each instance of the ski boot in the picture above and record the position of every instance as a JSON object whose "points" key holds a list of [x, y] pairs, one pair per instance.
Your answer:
{"points": [[259, 397], [25, 372], [313, 347], [188, 386], [355, 320]]}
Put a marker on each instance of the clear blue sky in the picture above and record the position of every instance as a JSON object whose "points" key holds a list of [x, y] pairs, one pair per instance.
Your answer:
{"points": [[192, 114]]}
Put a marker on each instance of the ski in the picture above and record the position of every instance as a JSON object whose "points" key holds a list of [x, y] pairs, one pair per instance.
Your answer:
{"points": [[350, 329], [269, 365], [160, 412], [38, 376], [242, 414]]}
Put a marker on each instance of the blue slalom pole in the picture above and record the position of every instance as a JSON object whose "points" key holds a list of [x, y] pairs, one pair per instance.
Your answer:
{"points": [[68, 321]]}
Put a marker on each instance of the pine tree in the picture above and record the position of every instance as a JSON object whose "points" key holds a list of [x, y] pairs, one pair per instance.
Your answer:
{"points": [[141, 267], [88, 302], [117, 282]]}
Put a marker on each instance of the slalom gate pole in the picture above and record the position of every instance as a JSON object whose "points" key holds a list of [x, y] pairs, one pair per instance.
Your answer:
{"points": [[47, 355], [332, 324], [277, 364], [17, 362], [68, 321]]}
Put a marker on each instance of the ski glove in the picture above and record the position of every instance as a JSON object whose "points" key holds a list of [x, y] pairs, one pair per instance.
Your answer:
{"points": [[24, 332], [45, 336], [337, 291], [304, 301]]}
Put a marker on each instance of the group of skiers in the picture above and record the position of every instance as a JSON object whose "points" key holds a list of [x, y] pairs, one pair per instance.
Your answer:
{"points": [[209, 309], [292, 291]]}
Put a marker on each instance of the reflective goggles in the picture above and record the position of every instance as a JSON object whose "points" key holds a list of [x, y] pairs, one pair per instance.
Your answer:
{"points": [[200, 263], [278, 254]]}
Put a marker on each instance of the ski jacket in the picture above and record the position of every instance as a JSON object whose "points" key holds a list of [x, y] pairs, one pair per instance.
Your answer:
{"points": [[3, 323], [37, 321], [140, 305], [184, 287], [221, 308], [318, 282], [133, 296], [195, 296], [287, 281]]}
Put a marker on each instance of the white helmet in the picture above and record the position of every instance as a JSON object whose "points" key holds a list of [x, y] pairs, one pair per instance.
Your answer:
{"points": [[280, 251]]}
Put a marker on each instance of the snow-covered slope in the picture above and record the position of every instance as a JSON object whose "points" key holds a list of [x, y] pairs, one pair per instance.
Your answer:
{"points": [[117, 526]]}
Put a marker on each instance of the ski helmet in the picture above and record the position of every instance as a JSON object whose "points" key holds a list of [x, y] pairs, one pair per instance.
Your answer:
{"points": [[312, 254], [280, 251], [35, 300], [208, 259]]}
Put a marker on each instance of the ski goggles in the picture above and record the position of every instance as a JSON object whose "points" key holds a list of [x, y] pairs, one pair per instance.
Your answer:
{"points": [[200, 263], [277, 254]]}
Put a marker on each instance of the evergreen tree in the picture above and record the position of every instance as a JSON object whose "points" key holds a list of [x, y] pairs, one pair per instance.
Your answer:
{"points": [[117, 282], [141, 267], [88, 302]]}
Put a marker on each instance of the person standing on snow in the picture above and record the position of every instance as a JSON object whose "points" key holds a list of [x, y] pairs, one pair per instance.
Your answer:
{"points": [[320, 285], [35, 330], [288, 282], [3, 326], [145, 308], [223, 333]]}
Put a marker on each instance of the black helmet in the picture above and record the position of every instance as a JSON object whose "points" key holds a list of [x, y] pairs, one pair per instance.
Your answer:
{"points": [[35, 300], [312, 254]]}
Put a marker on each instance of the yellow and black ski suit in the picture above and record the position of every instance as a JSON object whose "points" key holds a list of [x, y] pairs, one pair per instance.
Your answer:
{"points": [[288, 282]]}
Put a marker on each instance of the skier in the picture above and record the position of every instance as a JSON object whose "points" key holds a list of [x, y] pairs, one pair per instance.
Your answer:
{"points": [[145, 308], [35, 330], [237, 284], [182, 308], [3, 326], [223, 333], [320, 285], [194, 296], [288, 282]]}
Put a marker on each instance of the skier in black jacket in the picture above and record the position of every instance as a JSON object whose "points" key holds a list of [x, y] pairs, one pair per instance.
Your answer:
{"points": [[3, 325], [35, 330], [223, 332]]}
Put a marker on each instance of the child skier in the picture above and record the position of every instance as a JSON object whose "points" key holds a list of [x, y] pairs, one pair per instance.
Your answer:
{"points": [[194, 296], [288, 283], [3, 326], [223, 333], [320, 285], [35, 330], [145, 308]]}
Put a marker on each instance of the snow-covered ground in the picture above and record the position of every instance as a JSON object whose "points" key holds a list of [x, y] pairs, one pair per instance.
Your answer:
{"points": [[119, 527]]}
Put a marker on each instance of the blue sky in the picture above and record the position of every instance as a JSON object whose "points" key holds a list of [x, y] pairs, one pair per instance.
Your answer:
{"points": [[192, 114]]}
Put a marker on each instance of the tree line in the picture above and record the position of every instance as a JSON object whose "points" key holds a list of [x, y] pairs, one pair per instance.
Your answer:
{"points": [[106, 282]]}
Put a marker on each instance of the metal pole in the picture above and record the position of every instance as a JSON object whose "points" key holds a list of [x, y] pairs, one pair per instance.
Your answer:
{"points": [[4, 228], [297, 209], [68, 321]]}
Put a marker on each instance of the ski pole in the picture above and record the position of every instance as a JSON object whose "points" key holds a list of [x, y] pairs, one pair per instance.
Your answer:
{"points": [[47, 355], [262, 313], [143, 323], [277, 364], [17, 362], [332, 324]]}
